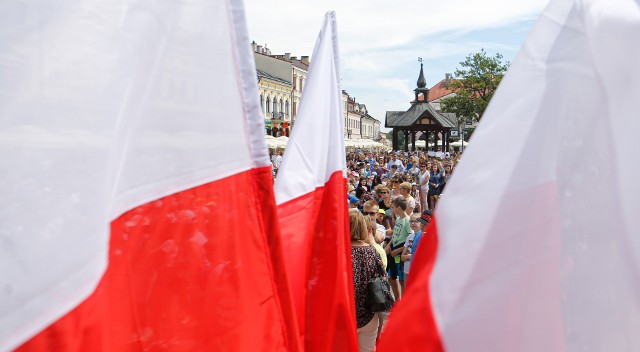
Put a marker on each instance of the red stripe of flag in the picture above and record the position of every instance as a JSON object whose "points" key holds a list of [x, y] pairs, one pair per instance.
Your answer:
{"points": [[412, 326], [197, 270]]}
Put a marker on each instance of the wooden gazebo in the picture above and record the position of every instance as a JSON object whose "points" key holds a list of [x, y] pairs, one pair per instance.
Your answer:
{"points": [[421, 117]]}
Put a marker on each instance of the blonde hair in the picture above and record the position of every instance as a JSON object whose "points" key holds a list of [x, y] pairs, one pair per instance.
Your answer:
{"points": [[358, 226], [406, 186], [382, 188], [370, 204]]}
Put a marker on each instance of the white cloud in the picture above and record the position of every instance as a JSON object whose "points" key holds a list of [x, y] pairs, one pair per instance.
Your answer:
{"points": [[380, 41], [293, 26]]}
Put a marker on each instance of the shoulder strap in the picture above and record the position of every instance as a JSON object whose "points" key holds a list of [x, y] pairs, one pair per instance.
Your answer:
{"points": [[379, 266]]}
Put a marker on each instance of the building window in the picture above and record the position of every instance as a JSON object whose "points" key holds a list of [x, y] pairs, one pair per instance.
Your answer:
{"points": [[286, 107], [267, 104], [275, 106], [280, 108], [261, 103]]}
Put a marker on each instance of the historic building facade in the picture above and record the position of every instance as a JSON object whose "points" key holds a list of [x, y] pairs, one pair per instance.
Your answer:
{"points": [[352, 127], [281, 80], [358, 124]]}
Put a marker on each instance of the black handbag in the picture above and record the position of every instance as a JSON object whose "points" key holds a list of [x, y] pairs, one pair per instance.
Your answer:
{"points": [[379, 295]]}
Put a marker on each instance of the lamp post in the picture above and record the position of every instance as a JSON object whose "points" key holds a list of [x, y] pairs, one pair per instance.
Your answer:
{"points": [[461, 123]]}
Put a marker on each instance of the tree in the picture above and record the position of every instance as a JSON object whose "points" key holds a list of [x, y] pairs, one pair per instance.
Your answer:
{"points": [[400, 139], [474, 84]]}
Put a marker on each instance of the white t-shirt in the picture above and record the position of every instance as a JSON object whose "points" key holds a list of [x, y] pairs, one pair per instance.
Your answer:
{"points": [[407, 244], [422, 177], [411, 204]]}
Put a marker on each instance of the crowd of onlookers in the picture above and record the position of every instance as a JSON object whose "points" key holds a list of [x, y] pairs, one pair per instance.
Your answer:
{"points": [[370, 176], [391, 198]]}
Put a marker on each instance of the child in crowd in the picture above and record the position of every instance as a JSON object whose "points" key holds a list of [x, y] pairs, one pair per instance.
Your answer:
{"points": [[424, 220], [416, 226], [394, 248]]}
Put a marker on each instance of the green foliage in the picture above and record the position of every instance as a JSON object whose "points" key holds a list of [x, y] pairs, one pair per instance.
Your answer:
{"points": [[474, 84], [400, 139]]}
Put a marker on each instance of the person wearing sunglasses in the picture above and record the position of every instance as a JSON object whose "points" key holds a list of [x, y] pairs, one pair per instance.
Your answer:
{"points": [[385, 204], [366, 265], [384, 194], [377, 231], [406, 255], [377, 234]]}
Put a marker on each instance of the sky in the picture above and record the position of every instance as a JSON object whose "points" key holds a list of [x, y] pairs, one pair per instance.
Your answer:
{"points": [[380, 41]]}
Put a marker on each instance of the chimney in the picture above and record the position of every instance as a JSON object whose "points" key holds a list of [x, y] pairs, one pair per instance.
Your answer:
{"points": [[253, 45], [259, 49], [287, 56], [304, 59], [447, 78]]}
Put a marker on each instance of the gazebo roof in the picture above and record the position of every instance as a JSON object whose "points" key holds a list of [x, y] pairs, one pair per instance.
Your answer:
{"points": [[416, 112], [419, 109]]}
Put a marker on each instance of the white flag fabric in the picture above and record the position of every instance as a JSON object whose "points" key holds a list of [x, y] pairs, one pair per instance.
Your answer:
{"points": [[538, 246], [310, 191], [146, 114]]}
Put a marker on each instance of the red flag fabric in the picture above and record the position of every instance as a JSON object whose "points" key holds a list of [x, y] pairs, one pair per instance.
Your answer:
{"points": [[311, 196], [143, 215], [537, 228], [412, 318]]}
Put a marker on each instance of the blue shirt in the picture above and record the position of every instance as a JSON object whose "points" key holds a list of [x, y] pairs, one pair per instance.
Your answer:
{"points": [[436, 179], [416, 240]]}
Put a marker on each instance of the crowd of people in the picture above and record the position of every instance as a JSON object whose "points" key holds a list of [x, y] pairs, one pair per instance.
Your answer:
{"points": [[391, 198]]}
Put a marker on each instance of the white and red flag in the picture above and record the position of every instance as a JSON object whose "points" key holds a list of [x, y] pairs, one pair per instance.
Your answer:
{"points": [[538, 245], [137, 202], [311, 195]]}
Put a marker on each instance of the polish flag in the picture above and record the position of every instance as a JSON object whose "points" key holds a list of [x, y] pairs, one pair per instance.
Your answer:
{"points": [[537, 232], [138, 209], [311, 195]]}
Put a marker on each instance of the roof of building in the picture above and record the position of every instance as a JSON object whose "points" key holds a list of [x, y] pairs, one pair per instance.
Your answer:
{"points": [[369, 117], [416, 112], [264, 75], [439, 90], [293, 60], [299, 64]]}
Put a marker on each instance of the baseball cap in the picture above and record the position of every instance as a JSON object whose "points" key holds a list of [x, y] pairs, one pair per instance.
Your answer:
{"points": [[425, 218]]}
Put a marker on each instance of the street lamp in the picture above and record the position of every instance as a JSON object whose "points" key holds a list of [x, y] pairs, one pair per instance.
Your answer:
{"points": [[349, 134], [461, 125]]}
